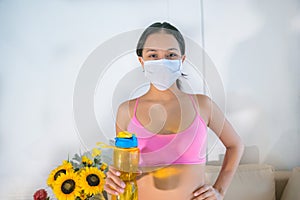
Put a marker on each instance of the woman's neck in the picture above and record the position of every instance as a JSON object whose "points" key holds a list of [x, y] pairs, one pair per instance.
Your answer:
{"points": [[163, 95]]}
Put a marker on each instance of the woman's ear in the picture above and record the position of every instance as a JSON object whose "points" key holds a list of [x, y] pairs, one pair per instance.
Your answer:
{"points": [[141, 61], [183, 58]]}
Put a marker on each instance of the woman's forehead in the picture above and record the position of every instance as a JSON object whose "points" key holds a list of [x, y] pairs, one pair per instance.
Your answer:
{"points": [[161, 41]]}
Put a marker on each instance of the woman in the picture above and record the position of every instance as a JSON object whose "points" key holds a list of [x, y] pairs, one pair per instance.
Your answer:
{"points": [[171, 127]]}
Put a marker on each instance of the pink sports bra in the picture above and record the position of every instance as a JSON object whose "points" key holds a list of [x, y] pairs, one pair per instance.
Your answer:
{"points": [[185, 147]]}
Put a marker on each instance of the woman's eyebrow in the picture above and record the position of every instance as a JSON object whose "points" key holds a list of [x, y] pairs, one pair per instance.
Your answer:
{"points": [[171, 49], [150, 50]]}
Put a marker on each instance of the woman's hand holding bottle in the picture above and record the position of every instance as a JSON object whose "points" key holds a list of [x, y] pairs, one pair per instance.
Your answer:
{"points": [[114, 185]]}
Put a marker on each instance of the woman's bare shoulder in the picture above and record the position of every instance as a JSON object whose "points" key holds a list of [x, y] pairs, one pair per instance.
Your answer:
{"points": [[125, 113], [204, 106], [202, 96], [126, 108], [204, 101], [126, 105]]}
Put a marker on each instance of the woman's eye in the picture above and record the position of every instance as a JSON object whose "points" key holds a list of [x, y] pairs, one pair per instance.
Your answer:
{"points": [[172, 55], [152, 56]]}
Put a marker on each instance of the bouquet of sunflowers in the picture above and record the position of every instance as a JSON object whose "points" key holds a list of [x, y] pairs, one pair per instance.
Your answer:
{"points": [[81, 178]]}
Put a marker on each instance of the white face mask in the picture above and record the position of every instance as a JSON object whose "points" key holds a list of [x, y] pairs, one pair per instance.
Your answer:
{"points": [[163, 73]]}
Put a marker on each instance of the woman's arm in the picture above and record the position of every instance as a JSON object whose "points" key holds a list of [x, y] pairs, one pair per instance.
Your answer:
{"points": [[123, 116], [218, 123], [113, 184]]}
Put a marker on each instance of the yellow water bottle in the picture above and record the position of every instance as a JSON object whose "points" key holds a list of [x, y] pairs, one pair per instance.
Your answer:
{"points": [[126, 160]]}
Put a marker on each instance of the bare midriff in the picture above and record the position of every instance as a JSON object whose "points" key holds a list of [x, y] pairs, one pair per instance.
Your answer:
{"points": [[176, 182]]}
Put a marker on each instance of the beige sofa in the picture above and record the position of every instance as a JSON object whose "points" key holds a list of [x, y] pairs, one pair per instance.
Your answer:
{"points": [[260, 182]]}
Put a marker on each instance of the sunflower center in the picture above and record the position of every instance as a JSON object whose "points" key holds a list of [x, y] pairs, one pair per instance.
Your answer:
{"points": [[93, 180], [68, 186], [58, 173]]}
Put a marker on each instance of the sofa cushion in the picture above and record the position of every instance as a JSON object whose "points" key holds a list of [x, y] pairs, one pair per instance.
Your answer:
{"points": [[281, 180], [250, 182], [292, 189]]}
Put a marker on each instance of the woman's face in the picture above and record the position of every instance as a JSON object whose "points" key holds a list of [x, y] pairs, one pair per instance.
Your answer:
{"points": [[161, 46]]}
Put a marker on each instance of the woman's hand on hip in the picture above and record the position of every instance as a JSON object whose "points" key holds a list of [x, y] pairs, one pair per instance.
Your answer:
{"points": [[207, 192], [113, 184]]}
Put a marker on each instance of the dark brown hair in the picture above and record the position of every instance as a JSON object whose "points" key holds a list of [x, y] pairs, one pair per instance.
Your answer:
{"points": [[160, 27]]}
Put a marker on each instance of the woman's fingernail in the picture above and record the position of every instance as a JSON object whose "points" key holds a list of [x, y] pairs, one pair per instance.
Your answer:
{"points": [[123, 185], [116, 193], [118, 173], [121, 190]]}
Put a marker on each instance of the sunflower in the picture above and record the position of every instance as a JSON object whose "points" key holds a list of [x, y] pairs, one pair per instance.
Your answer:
{"points": [[86, 161], [92, 180], [66, 186], [96, 152], [104, 167], [62, 169], [82, 195]]}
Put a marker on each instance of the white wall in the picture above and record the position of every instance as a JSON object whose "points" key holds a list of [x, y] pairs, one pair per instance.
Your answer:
{"points": [[255, 45], [43, 45]]}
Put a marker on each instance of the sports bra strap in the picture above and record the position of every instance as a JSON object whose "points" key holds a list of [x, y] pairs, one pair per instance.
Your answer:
{"points": [[194, 104], [135, 106]]}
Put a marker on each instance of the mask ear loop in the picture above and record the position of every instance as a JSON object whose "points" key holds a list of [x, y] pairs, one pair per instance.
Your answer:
{"points": [[143, 69]]}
